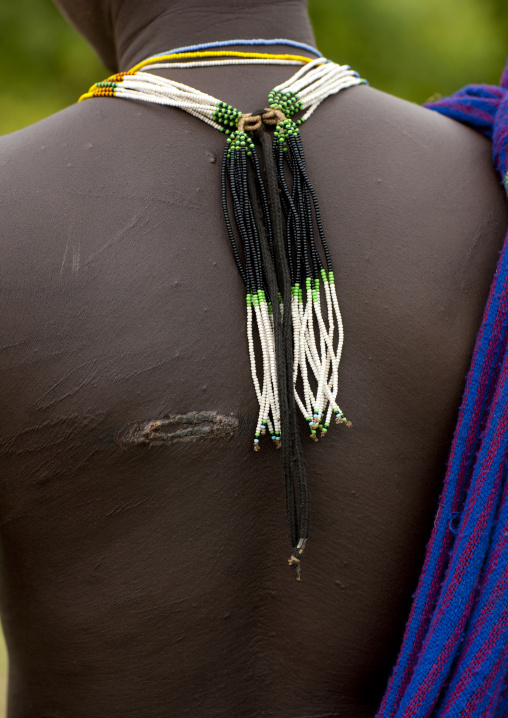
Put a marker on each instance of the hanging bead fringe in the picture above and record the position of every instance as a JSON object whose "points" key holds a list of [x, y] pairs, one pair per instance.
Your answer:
{"points": [[293, 316], [310, 377], [318, 333]]}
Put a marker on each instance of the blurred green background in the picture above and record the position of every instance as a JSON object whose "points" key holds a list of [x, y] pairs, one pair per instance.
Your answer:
{"points": [[409, 48]]}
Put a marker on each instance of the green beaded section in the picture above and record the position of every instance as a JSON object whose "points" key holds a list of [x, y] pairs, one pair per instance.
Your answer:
{"points": [[288, 102], [240, 142], [285, 129], [107, 83], [331, 278], [257, 298], [315, 292], [312, 286], [226, 116]]}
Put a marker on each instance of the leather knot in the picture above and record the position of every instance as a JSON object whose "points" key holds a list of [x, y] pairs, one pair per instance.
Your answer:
{"points": [[249, 122]]}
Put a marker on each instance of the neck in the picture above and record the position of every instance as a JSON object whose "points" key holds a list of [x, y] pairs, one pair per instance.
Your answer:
{"points": [[140, 31]]}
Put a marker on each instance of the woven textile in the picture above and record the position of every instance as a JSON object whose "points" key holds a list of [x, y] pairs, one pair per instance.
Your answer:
{"points": [[454, 656]]}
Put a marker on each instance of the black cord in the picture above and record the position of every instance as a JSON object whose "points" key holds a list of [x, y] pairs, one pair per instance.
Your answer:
{"points": [[293, 460], [273, 223]]}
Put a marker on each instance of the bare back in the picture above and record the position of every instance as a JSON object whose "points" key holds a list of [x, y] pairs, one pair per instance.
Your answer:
{"points": [[143, 579]]}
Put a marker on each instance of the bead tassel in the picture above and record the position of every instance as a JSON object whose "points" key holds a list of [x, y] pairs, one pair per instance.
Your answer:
{"points": [[294, 322]]}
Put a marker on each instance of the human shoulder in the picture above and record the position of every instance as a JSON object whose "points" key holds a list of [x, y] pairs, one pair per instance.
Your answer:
{"points": [[42, 165], [428, 133], [435, 175], [418, 214]]}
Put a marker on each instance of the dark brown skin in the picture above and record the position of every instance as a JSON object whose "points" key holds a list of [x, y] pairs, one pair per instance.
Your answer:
{"points": [[151, 578]]}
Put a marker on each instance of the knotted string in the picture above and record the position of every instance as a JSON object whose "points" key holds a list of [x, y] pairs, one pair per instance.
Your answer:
{"points": [[277, 274], [293, 316]]}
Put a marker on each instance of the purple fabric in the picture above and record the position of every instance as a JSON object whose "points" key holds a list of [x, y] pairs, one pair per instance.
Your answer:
{"points": [[453, 661]]}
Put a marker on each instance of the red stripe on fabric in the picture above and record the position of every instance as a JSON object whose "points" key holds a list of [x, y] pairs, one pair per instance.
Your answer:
{"points": [[483, 650]]}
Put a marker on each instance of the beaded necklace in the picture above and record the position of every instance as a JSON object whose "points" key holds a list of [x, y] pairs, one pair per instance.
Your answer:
{"points": [[284, 263]]}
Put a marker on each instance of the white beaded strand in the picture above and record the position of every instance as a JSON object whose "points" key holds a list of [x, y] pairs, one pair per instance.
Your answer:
{"points": [[316, 357], [216, 63]]}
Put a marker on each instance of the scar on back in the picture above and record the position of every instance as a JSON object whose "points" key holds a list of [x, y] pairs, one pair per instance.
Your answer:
{"points": [[178, 428]]}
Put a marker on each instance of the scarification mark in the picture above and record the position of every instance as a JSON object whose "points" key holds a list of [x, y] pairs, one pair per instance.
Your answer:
{"points": [[47, 434], [64, 258], [128, 506], [38, 402], [19, 343], [76, 256], [179, 428], [120, 234]]}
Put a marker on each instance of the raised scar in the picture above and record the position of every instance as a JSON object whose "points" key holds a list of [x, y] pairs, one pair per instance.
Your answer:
{"points": [[178, 428]]}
